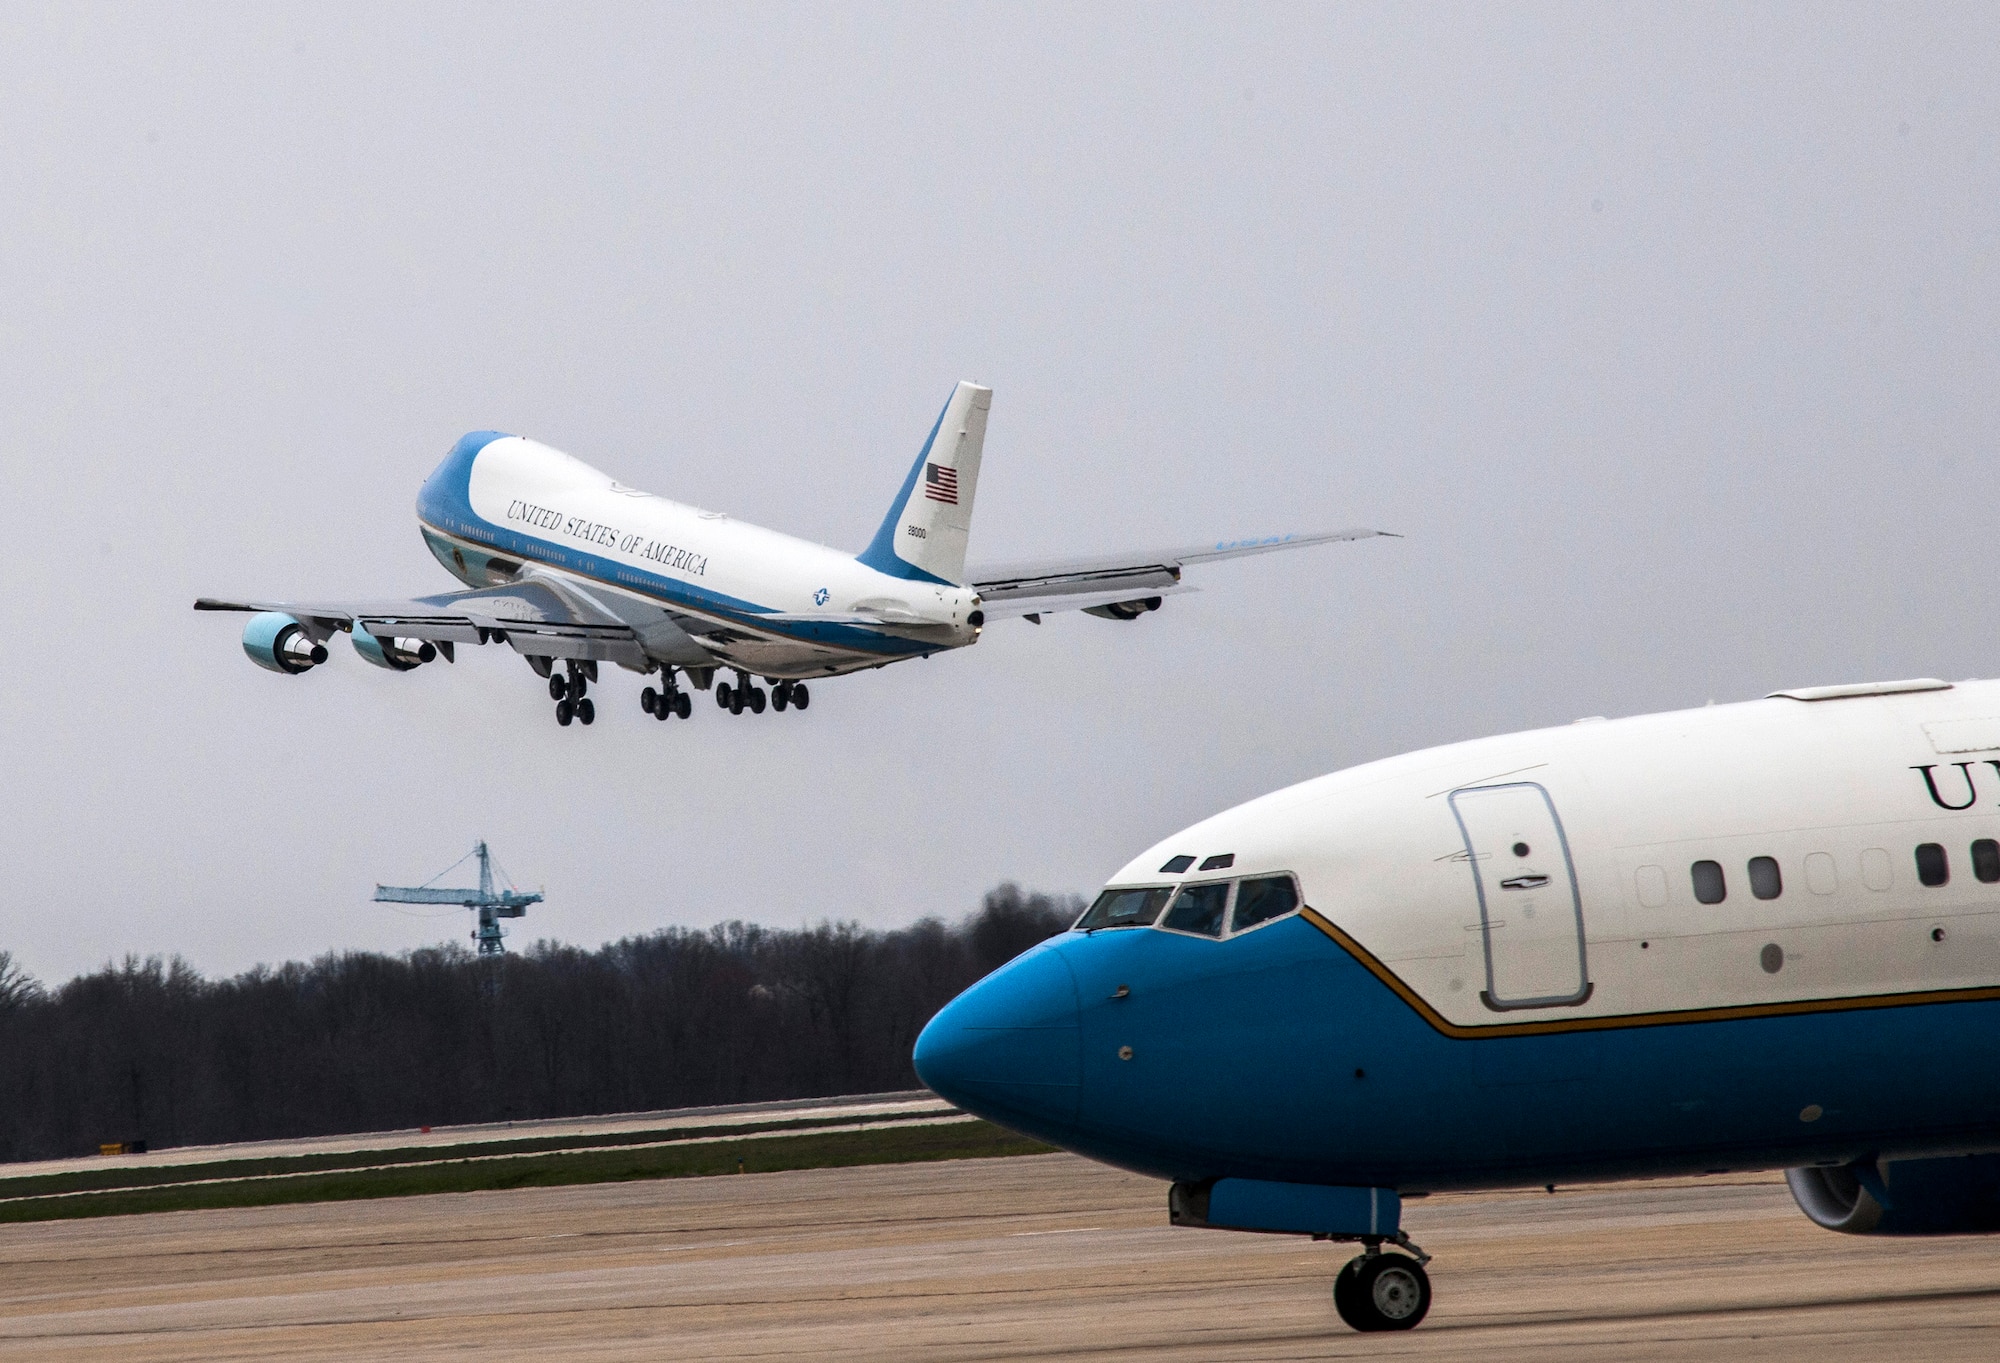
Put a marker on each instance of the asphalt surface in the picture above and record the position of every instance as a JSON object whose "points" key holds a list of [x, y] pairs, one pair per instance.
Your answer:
{"points": [[1029, 1258]]}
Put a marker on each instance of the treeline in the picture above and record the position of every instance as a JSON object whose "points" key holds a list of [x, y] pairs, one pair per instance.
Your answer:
{"points": [[358, 1041]]}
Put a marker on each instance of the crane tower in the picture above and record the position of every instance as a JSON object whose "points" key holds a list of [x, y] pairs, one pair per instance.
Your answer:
{"points": [[489, 904]]}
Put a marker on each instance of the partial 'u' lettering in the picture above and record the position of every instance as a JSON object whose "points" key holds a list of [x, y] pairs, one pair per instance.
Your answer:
{"points": [[1930, 784]]}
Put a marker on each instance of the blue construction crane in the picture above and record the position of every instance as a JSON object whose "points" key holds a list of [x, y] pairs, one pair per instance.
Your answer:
{"points": [[489, 905]]}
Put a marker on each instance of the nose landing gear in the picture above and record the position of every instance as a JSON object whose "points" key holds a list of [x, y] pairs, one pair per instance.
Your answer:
{"points": [[1378, 1291]]}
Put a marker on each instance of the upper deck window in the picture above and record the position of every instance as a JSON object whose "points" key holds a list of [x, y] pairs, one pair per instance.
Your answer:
{"points": [[1126, 908], [1198, 908], [1709, 886], [1261, 900], [1933, 866]]}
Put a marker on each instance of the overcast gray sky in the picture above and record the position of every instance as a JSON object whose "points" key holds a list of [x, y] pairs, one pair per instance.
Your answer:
{"points": [[1669, 337]]}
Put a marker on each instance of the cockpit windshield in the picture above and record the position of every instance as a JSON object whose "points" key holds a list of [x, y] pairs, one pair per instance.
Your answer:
{"points": [[1198, 908], [1126, 908]]}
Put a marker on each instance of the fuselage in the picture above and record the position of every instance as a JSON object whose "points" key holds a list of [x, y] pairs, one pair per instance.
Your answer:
{"points": [[1755, 935], [500, 506]]}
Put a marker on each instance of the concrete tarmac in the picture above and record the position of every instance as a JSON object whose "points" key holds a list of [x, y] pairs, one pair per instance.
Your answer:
{"points": [[1042, 1257]]}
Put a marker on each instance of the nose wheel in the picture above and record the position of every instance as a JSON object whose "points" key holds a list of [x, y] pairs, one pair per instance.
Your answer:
{"points": [[1379, 1291]]}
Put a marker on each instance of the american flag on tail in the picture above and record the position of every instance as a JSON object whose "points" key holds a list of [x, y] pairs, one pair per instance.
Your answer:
{"points": [[941, 484]]}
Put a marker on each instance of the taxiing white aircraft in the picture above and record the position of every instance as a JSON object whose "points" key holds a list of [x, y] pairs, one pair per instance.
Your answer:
{"points": [[1755, 936], [567, 566]]}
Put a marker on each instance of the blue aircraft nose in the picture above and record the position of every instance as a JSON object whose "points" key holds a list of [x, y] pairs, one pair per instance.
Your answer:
{"points": [[1009, 1048]]}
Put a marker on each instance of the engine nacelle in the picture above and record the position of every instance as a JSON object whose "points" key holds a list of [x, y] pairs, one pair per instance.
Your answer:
{"points": [[1124, 610], [281, 644], [397, 654], [1957, 1195]]}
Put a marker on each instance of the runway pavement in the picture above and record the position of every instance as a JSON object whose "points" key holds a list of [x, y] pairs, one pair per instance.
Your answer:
{"points": [[1039, 1257]]}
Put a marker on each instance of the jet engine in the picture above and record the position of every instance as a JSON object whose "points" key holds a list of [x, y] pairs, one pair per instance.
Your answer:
{"points": [[1957, 1195], [281, 644], [397, 654], [1124, 610]]}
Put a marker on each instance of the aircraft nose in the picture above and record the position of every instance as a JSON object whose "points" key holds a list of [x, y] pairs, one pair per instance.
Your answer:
{"points": [[1009, 1047]]}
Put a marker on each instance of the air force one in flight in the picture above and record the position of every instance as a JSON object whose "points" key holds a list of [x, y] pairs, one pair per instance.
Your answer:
{"points": [[567, 566], [1755, 936]]}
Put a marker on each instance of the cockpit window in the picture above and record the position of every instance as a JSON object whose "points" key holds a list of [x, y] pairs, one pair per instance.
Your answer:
{"points": [[1259, 901], [1126, 908], [1176, 865], [1198, 908]]}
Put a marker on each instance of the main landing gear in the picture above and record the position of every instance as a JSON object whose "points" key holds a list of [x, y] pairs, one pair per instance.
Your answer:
{"points": [[1379, 1291], [567, 691], [745, 696], [667, 702]]}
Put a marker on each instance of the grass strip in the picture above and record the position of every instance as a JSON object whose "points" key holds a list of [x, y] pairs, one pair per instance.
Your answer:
{"points": [[694, 1159], [153, 1175]]}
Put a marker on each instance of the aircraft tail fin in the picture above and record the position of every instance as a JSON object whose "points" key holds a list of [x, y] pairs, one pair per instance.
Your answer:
{"points": [[924, 535]]}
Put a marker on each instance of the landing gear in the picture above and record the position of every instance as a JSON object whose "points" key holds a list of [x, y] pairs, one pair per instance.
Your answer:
{"points": [[740, 697], [667, 702], [791, 693], [567, 690], [1377, 1291]]}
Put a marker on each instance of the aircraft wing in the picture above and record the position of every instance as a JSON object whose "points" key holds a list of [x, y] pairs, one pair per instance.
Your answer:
{"points": [[1095, 583], [535, 617]]}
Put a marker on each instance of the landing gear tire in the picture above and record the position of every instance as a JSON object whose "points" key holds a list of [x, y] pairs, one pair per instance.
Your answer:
{"points": [[648, 699], [756, 700], [722, 694], [558, 687], [683, 706], [799, 696], [586, 710], [565, 712], [1382, 1292], [781, 695]]}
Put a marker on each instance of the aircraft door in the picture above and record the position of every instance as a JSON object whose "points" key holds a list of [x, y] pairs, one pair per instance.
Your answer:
{"points": [[1530, 914]]}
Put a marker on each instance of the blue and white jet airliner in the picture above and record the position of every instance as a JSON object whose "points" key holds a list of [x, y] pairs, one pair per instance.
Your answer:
{"points": [[570, 567], [1754, 936]]}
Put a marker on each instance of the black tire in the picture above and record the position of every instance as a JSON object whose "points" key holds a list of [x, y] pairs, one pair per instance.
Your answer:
{"points": [[799, 696], [780, 697], [722, 694], [647, 699], [586, 710], [578, 687], [756, 700], [683, 704], [737, 700], [565, 712], [663, 706], [558, 688], [1385, 1292]]}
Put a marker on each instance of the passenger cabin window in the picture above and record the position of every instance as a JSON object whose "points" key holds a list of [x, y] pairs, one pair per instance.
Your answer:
{"points": [[1708, 884], [1765, 882], [1933, 867], [1175, 865], [1126, 908], [1259, 901], [1198, 908], [1986, 860]]}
